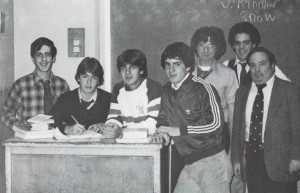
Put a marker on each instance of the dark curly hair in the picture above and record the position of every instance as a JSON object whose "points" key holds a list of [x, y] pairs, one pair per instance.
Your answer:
{"points": [[270, 55], [216, 36], [39, 43], [247, 28], [180, 51]]}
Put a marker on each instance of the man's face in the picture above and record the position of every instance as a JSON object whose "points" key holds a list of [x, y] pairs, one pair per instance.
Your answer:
{"points": [[242, 45], [43, 59], [206, 51], [176, 70], [260, 68], [131, 76], [88, 83]]}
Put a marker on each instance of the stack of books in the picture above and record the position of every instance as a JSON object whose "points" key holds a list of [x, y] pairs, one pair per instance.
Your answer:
{"points": [[40, 122], [27, 133], [134, 135], [39, 128]]}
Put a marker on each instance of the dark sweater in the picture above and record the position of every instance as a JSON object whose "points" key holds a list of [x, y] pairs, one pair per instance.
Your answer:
{"points": [[68, 104]]}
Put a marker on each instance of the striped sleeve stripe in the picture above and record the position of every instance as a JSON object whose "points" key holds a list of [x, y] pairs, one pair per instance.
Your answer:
{"points": [[215, 111], [130, 119], [114, 112], [153, 108], [153, 113]]}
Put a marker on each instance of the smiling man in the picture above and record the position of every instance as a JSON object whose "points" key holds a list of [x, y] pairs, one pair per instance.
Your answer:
{"points": [[243, 37], [136, 100], [192, 116], [34, 93], [266, 134]]}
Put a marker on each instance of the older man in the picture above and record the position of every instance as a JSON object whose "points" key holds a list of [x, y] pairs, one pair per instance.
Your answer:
{"points": [[266, 134]]}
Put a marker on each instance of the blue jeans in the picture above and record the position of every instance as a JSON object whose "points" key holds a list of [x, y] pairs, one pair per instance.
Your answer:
{"points": [[208, 175]]}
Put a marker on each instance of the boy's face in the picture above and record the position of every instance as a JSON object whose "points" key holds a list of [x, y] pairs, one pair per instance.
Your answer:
{"points": [[176, 70], [43, 59], [131, 76], [242, 45], [88, 83]]}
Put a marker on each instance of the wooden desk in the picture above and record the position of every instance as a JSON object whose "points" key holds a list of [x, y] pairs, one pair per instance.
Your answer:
{"points": [[83, 167]]}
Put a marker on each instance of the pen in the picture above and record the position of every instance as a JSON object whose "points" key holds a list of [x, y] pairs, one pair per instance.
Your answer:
{"points": [[74, 119]]}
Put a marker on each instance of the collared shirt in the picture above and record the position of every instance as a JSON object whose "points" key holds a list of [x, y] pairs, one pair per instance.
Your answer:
{"points": [[278, 72], [225, 82], [252, 94], [178, 86], [94, 98], [26, 98]]}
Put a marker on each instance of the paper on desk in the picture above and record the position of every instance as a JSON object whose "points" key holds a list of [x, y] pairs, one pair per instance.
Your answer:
{"points": [[86, 135], [41, 118]]}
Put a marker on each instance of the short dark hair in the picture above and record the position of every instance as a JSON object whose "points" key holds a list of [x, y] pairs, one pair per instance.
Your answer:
{"points": [[216, 36], [39, 43], [180, 51], [270, 55], [91, 65], [247, 28], [133, 57]]}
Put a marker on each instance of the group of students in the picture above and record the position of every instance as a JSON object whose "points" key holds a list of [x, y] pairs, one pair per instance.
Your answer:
{"points": [[201, 111]]}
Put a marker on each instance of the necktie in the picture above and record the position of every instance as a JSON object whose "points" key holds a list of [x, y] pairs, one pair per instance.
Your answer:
{"points": [[255, 135], [203, 74], [86, 104], [244, 76], [47, 96]]}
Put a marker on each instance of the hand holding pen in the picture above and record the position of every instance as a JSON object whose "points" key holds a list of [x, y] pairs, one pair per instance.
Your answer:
{"points": [[76, 129]]}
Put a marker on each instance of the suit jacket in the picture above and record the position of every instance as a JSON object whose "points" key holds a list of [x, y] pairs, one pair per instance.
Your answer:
{"points": [[282, 130]]}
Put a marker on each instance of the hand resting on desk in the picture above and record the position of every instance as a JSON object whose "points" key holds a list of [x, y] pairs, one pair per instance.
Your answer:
{"points": [[111, 130]]}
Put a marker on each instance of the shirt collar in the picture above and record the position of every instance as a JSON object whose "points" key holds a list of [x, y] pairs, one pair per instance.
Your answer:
{"points": [[269, 83], [36, 77], [237, 60], [94, 97], [176, 88]]}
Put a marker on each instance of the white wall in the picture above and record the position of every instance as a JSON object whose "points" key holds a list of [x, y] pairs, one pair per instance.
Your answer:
{"points": [[52, 18]]}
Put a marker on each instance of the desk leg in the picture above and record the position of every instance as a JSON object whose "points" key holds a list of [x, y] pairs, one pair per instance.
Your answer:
{"points": [[8, 169], [156, 172]]}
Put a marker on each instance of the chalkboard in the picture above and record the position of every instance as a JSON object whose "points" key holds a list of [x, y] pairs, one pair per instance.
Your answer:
{"points": [[150, 25]]}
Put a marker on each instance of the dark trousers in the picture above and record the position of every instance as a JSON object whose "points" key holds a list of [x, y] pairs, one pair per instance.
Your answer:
{"points": [[258, 180], [226, 137]]}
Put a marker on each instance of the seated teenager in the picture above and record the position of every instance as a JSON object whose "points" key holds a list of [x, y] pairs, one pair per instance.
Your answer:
{"points": [[135, 101], [85, 107]]}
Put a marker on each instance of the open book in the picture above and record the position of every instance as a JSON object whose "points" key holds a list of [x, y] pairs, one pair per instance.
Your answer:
{"points": [[88, 134]]}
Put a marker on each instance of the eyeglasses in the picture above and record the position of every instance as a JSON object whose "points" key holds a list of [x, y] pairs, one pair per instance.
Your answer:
{"points": [[40, 55], [206, 45], [245, 43]]}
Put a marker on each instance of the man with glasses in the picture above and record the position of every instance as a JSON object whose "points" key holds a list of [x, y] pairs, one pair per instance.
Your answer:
{"points": [[36, 92], [243, 37], [209, 45]]}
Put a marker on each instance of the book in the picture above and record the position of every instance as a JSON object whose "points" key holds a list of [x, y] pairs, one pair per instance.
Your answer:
{"points": [[27, 133], [88, 134], [40, 122], [134, 135]]}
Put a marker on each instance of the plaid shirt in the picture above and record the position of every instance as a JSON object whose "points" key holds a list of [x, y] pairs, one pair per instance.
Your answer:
{"points": [[26, 98]]}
